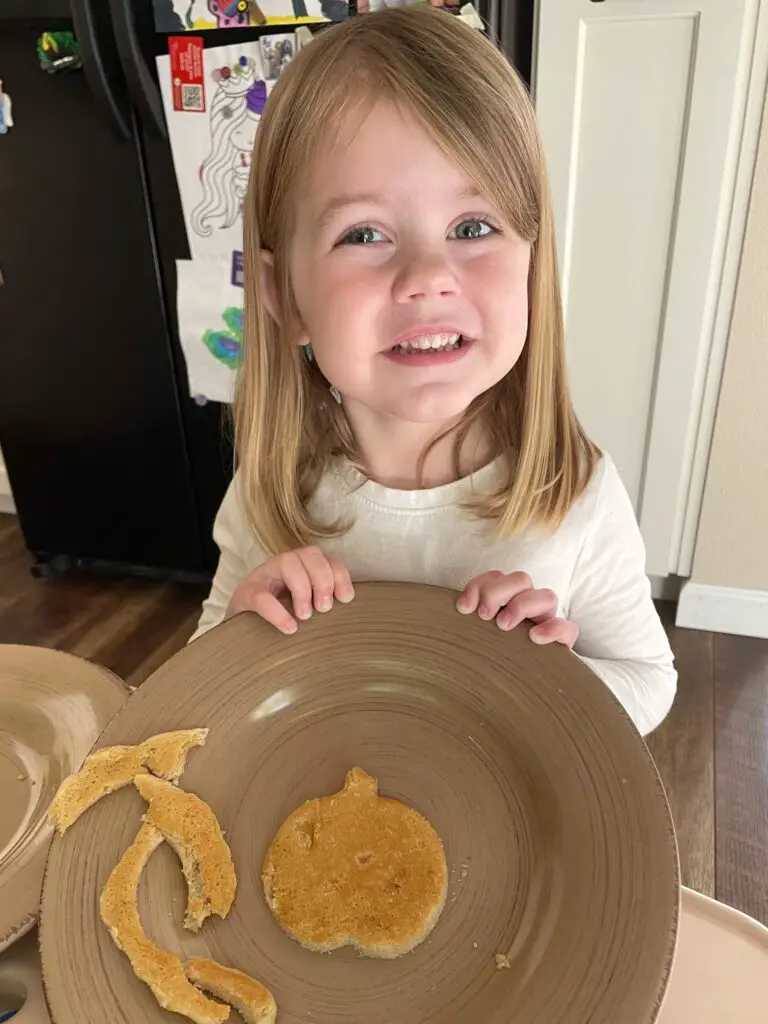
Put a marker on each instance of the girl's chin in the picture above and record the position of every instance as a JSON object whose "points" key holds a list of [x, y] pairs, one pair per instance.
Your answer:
{"points": [[438, 412]]}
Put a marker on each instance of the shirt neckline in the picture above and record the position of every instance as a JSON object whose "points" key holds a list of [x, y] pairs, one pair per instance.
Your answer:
{"points": [[454, 493]]}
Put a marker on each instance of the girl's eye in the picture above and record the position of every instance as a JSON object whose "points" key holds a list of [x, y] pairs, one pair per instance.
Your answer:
{"points": [[473, 228], [364, 235]]}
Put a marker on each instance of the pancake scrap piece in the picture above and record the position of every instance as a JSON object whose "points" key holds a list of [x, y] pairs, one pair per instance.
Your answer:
{"points": [[160, 970], [252, 1000], [356, 869], [192, 829], [102, 773], [114, 767], [166, 754]]}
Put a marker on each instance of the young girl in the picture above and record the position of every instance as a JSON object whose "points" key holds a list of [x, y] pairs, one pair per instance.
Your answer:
{"points": [[402, 409]]}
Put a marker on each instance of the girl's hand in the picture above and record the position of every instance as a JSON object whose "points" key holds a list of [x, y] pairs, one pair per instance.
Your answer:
{"points": [[510, 598], [307, 576]]}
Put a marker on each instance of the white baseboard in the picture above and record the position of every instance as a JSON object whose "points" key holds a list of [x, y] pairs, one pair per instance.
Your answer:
{"points": [[6, 498], [723, 610]]}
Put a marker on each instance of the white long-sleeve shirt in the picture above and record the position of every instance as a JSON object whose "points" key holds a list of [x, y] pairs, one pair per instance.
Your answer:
{"points": [[594, 562]]}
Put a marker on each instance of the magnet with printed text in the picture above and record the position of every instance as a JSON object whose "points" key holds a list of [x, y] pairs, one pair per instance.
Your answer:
{"points": [[238, 269]]}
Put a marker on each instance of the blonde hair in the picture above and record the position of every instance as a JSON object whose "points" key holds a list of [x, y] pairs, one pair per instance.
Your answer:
{"points": [[469, 99]]}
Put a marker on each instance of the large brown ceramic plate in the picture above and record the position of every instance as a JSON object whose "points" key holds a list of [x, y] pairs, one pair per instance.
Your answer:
{"points": [[52, 708], [558, 837]]}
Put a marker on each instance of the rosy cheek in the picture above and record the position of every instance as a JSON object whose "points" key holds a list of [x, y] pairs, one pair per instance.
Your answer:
{"points": [[356, 280]]}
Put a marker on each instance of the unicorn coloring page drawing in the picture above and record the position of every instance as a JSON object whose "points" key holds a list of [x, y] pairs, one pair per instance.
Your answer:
{"points": [[235, 112], [212, 149]]}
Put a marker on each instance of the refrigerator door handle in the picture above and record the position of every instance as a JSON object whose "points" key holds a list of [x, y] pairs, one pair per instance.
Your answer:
{"points": [[142, 85], [102, 74]]}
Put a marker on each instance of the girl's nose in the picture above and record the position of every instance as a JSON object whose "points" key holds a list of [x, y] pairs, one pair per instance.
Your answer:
{"points": [[425, 276]]}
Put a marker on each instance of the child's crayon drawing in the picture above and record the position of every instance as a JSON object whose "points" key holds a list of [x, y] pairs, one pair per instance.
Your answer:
{"points": [[226, 345], [210, 317]]}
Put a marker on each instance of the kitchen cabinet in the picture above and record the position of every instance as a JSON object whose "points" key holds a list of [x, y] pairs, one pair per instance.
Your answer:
{"points": [[644, 111]]}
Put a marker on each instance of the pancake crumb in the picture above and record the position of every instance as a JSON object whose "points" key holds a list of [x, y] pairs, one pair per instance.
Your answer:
{"points": [[502, 962]]}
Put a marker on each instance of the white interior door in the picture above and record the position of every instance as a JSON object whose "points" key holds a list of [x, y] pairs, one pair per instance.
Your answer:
{"points": [[640, 104]]}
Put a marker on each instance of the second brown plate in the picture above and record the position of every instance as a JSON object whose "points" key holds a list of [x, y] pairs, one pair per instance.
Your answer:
{"points": [[560, 846]]}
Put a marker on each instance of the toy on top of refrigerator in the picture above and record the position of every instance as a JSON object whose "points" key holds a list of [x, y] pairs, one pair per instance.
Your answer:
{"points": [[58, 51]]}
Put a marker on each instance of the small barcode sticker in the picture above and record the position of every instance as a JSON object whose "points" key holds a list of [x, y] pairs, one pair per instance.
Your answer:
{"points": [[192, 97], [186, 53]]}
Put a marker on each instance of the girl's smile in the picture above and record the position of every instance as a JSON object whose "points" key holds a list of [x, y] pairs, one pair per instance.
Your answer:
{"points": [[426, 347]]}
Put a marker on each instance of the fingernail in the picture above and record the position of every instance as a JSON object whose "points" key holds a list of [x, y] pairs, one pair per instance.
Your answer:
{"points": [[325, 604], [346, 596], [304, 611], [289, 628], [504, 624], [484, 613], [536, 638], [463, 606]]}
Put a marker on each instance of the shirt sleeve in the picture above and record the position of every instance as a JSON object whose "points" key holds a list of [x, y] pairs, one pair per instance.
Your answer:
{"points": [[621, 637], [232, 535]]}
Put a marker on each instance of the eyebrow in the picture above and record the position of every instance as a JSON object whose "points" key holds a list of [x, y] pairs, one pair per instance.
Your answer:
{"points": [[341, 202]]}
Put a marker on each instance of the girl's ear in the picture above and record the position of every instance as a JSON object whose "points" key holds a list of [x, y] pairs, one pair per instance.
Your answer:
{"points": [[270, 295], [269, 284]]}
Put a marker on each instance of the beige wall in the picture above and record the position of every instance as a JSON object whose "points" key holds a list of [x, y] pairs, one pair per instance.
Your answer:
{"points": [[732, 543]]}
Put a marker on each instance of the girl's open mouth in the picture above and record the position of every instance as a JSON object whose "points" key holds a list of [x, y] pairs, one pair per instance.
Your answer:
{"points": [[430, 350], [429, 344]]}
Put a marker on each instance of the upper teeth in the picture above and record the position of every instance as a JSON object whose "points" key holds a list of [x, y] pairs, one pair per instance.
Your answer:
{"points": [[426, 342]]}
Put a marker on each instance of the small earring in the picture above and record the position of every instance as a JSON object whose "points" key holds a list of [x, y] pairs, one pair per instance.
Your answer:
{"points": [[309, 353], [335, 394]]}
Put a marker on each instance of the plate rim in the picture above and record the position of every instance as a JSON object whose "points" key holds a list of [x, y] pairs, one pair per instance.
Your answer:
{"points": [[723, 914], [37, 860]]}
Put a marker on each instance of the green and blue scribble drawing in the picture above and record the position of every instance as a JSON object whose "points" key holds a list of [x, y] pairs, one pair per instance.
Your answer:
{"points": [[227, 345]]}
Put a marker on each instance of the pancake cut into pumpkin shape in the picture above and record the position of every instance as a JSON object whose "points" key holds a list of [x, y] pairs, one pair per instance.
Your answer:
{"points": [[356, 869]]}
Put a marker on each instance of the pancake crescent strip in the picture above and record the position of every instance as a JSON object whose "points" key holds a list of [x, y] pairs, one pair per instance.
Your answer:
{"points": [[192, 829], [252, 1000], [160, 970], [110, 769]]}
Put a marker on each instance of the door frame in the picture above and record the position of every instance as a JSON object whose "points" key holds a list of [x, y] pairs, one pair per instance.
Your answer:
{"points": [[742, 161]]}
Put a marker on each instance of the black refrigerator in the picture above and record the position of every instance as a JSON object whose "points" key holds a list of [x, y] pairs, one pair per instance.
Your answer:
{"points": [[111, 462]]}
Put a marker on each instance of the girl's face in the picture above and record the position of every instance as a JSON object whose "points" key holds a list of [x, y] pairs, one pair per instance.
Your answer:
{"points": [[394, 253]]}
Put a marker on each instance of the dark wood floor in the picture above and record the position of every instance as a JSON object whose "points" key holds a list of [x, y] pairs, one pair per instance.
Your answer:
{"points": [[712, 751]]}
